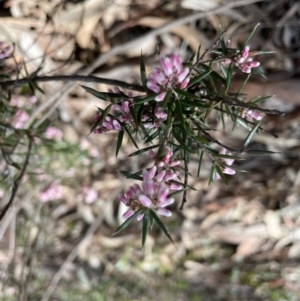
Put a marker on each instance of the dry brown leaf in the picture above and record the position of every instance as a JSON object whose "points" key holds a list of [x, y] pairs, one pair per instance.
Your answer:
{"points": [[294, 251], [237, 233], [249, 247], [81, 20], [191, 36]]}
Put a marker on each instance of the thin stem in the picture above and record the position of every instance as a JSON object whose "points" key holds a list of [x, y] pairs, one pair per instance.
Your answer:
{"points": [[186, 176], [83, 78], [210, 49], [18, 179]]}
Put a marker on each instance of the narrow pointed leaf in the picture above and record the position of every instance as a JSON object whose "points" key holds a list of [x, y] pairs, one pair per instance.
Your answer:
{"points": [[178, 110], [153, 136], [130, 136], [143, 72], [145, 229], [101, 118], [199, 78], [127, 222], [134, 116], [250, 135], [96, 93], [119, 141], [144, 99], [161, 225], [150, 219], [167, 98], [258, 71], [258, 99], [212, 175], [221, 174], [249, 36], [243, 85], [200, 163], [129, 175], [260, 152], [140, 151], [229, 77]]}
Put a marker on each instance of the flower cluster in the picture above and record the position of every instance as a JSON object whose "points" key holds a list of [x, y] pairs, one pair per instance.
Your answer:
{"points": [[109, 123], [226, 163], [171, 75], [157, 182], [51, 192], [252, 114], [19, 119], [123, 107], [155, 122], [152, 196], [243, 61]]}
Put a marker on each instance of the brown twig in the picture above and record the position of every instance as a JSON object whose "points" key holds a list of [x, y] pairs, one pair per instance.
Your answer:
{"points": [[209, 50], [82, 78], [17, 180]]}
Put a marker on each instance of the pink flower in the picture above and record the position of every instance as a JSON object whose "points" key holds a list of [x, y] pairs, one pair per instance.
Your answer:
{"points": [[152, 196], [243, 61], [165, 161], [226, 163], [123, 107], [171, 75], [109, 123], [50, 192], [53, 133], [159, 117], [249, 113], [20, 118], [90, 195]]}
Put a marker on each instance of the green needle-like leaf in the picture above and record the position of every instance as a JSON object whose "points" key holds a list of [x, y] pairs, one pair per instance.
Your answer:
{"points": [[258, 99], [212, 175], [221, 174], [200, 163], [96, 93], [119, 142], [127, 222], [145, 229], [134, 116], [251, 134], [178, 110], [167, 98], [199, 78], [150, 219], [143, 73], [249, 37], [101, 118], [143, 99], [260, 152], [130, 136], [161, 225], [229, 77], [259, 72], [140, 151], [129, 175]]}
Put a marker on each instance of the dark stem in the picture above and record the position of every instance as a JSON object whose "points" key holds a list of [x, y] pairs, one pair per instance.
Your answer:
{"points": [[209, 50], [90, 78], [186, 175], [18, 180]]}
